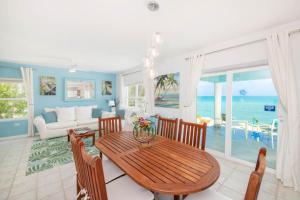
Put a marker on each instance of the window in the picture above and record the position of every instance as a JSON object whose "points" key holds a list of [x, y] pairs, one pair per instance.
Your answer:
{"points": [[13, 102], [240, 109], [136, 96]]}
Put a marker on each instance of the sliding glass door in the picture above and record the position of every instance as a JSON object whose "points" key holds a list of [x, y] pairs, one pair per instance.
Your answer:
{"points": [[254, 115], [240, 108], [211, 109]]}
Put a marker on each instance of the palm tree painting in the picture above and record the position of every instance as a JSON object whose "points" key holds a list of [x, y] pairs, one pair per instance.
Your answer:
{"points": [[167, 90]]}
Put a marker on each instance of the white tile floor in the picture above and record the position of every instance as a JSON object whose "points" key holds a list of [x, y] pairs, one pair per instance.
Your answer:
{"points": [[59, 183]]}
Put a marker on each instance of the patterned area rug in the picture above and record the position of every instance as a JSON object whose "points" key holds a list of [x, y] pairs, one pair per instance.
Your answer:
{"points": [[46, 154]]}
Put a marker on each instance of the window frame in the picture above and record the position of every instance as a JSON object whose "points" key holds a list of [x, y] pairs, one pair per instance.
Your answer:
{"points": [[15, 80], [136, 97]]}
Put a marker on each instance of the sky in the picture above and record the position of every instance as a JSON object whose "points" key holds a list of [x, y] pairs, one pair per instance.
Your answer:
{"points": [[263, 87]]}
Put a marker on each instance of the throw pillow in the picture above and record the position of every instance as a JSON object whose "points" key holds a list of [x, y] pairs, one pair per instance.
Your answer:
{"points": [[49, 117], [65, 114], [120, 113], [83, 112], [96, 112]]}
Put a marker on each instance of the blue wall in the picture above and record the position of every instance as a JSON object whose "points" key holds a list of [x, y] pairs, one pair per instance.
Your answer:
{"points": [[12, 70]]}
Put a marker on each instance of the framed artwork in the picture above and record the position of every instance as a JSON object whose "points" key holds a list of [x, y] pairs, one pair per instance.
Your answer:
{"points": [[47, 85], [106, 88], [166, 90], [79, 89]]}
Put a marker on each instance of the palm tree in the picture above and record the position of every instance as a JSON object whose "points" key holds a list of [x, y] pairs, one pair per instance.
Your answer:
{"points": [[164, 83]]}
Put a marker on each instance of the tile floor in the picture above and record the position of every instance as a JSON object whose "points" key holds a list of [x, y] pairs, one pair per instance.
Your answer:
{"points": [[59, 183]]}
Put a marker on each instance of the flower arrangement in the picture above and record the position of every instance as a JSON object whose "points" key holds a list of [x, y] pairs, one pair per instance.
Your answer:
{"points": [[143, 130]]}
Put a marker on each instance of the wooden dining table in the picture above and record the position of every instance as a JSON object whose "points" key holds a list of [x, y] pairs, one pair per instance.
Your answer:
{"points": [[167, 166]]}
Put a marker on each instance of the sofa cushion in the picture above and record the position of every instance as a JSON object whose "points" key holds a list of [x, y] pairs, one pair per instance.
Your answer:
{"points": [[83, 112], [61, 125], [49, 117], [96, 112], [106, 114], [87, 121], [65, 114]]}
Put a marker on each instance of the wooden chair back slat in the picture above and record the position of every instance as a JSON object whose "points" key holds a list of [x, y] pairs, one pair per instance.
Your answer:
{"points": [[192, 134], [76, 144], [109, 125], [95, 187], [167, 128], [256, 176]]}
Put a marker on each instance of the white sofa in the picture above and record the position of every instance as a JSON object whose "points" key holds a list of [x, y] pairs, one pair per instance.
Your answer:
{"points": [[67, 118]]}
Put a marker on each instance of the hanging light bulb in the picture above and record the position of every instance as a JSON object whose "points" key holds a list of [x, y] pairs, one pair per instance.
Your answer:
{"points": [[154, 52], [152, 74], [73, 69], [157, 38], [148, 62]]}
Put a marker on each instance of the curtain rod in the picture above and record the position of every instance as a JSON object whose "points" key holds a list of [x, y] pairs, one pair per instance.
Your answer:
{"points": [[231, 47], [133, 72], [294, 31]]}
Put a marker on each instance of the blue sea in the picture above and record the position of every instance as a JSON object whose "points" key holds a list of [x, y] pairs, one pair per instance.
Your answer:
{"points": [[250, 108]]}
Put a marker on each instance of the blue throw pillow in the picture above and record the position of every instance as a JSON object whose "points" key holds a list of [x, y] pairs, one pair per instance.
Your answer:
{"points": [[154, 120], [120, 113], [96, 112], [49, 117]]}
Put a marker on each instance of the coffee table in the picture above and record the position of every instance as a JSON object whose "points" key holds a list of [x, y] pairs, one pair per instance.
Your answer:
{"points": [[88, 133]]}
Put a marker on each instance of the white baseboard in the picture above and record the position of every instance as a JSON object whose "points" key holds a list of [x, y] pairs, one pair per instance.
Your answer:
{"points": [[13, 137]]}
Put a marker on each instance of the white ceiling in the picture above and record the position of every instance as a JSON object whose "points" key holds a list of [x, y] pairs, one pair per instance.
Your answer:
{"points": [[113, 35]]}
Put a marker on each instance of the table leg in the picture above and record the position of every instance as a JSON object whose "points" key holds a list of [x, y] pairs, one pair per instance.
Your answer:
{"points": [[68, 138], [176, 197]]}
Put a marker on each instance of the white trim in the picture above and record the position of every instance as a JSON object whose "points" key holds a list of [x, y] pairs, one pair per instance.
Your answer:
{"points": [[14, 137], [228, 143], [13, 99], [14, 119], [237, 160], [11, 79]]}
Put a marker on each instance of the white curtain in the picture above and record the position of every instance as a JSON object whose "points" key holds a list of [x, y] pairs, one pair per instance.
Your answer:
{"points": [[190, 78], [149, 91], [27, 76], [283, 75], [121, 91]]}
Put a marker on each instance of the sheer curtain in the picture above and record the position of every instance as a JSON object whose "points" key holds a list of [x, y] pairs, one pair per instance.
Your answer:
{"points": [[190, 78], [27, 76], [149, 91], [283, 75]]}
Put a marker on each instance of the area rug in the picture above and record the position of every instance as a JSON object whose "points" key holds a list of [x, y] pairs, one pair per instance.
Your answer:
{"points": [[46, 154]]}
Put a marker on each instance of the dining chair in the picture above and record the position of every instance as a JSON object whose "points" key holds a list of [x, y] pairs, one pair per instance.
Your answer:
{"points": [[111, 171], [123, 188], [192, 134], [253, 183], [109, 125], [167, 127]]}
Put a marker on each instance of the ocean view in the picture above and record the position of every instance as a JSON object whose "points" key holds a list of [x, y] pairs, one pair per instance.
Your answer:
{"points": [[243, 107]]}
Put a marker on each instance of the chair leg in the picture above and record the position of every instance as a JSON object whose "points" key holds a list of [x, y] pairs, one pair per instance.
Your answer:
{"points": [[78, 190]]}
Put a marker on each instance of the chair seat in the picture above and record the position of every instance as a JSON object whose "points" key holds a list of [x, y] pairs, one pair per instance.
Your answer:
{"points": [[207, 194], [111, 171], [126, 189]]}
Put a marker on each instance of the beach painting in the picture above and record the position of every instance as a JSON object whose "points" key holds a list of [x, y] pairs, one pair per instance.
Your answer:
{"points": [[47, 85], [106, 88], [167, 90]]}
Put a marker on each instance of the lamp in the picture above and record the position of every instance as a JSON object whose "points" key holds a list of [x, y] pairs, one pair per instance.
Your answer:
{"points": [[112, 105]]}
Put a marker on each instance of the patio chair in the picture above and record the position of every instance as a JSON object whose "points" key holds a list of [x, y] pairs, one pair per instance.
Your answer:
{"points": [[271, 130], [167, 127], [192, 134], [109, 125], [95, 189], [111, 171], [253, 184]]}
